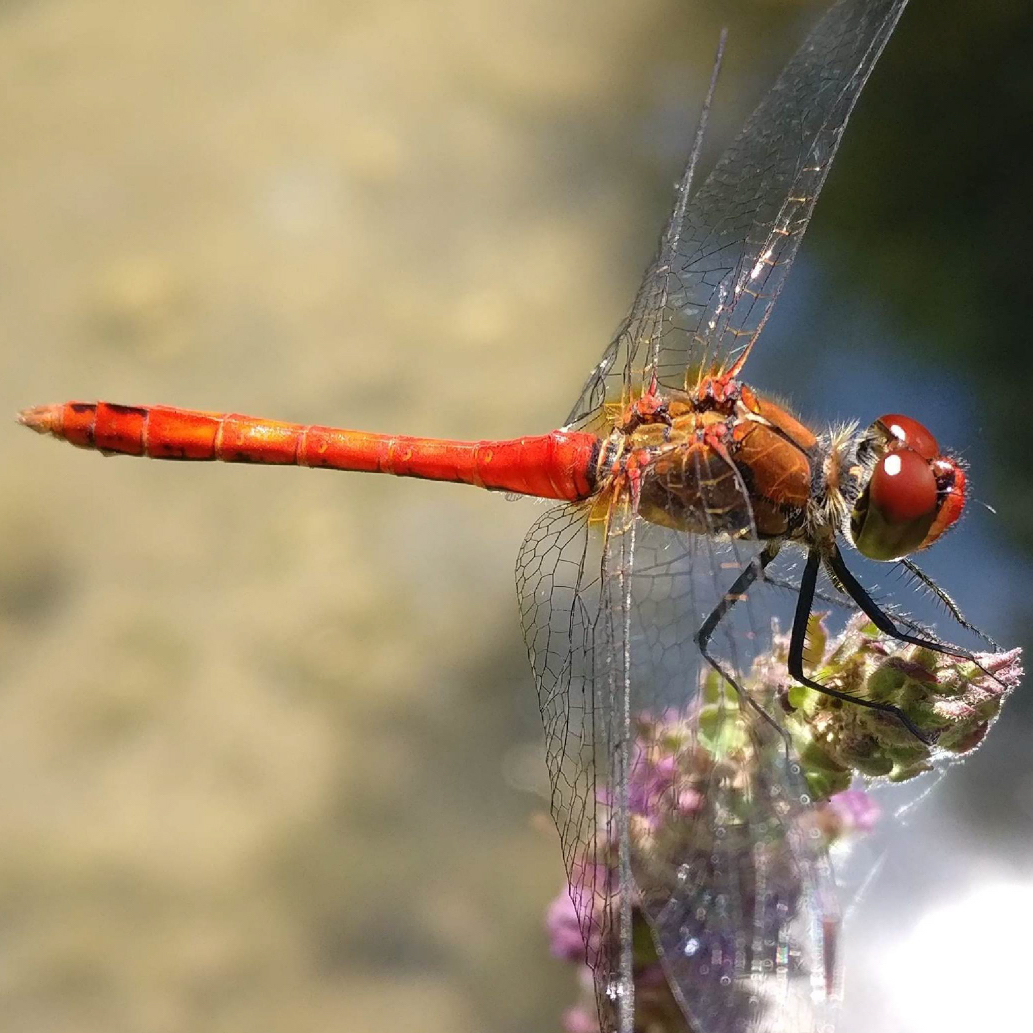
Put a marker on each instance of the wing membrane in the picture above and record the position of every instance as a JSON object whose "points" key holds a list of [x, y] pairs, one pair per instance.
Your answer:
{"points": [[677, 802], [677, 798], [727, 250], [562, 583]]}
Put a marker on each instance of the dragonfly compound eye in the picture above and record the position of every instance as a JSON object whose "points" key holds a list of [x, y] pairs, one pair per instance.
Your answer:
{"points": [[897, 510], [904, 431]]}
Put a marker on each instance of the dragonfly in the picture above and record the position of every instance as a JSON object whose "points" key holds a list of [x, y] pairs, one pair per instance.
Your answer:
{"points": [[678, 486]]}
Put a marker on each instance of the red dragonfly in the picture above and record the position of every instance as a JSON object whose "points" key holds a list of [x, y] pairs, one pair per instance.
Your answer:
{"points": [[680, 485]]}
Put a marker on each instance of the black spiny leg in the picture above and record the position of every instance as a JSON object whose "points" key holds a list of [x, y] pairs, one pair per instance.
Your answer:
{"points": [[946, 601], [888, 627], [882, 620], [753, 570], [799, 637]]}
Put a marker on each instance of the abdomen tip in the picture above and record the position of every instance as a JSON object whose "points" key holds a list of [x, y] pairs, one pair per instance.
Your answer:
{"points": [[43, 419]]}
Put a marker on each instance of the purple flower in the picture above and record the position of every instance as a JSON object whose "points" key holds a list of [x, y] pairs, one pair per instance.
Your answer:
{"points": [[561, 923], [692, 773], [580, 1019], [856, 811]]}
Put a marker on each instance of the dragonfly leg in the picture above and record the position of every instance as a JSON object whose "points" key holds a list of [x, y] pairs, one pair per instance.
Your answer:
{"points": [[844, 602], [885, 623], [651, 407], [798, 639], [948, 603], [753, 570], [880, 618]]}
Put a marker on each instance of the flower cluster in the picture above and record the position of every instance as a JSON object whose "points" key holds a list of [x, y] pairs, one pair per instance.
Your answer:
{"points": [[951, 701], [693, 773]]}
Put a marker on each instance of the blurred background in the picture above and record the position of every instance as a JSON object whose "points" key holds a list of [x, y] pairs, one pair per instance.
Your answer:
{"points": [[269, 751]]}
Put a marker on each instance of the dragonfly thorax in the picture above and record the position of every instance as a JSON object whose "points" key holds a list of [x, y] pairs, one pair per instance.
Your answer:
{"points": [[722, 461]]}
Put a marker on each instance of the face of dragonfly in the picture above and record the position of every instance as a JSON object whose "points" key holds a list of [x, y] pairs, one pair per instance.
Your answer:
{"points": [[911, 493]]}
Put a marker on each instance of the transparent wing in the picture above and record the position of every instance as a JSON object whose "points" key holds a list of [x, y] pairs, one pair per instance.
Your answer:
{"points": [[561, 585], [678, 804], [737, 887], [727, 250]]}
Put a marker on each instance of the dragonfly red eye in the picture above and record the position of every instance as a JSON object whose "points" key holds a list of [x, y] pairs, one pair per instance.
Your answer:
{"points": [[903, 487], [896, 511], [950, 484], [911, 433]]}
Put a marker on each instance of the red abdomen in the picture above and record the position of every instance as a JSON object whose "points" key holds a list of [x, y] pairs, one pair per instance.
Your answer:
{"points": [[558, 465]]}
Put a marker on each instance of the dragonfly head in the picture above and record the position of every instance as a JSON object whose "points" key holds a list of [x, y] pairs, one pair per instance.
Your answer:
{"points": [[912, 493]]}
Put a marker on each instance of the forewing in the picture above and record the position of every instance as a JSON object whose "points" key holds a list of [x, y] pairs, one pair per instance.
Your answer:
{"points": [[727, 250]]}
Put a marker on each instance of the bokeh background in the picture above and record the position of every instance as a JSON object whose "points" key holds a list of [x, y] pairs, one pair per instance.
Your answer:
{"points": [[269, 753]]}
